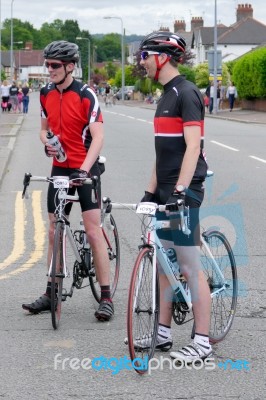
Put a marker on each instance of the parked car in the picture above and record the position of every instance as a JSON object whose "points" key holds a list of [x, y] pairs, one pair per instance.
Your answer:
{"points": [[128, 93]]}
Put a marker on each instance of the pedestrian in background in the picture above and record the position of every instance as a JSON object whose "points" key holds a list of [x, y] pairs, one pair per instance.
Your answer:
{"points": [[25, 98], [20, 98], [231, 95], [5, 91], [211, 97], [13, 93]]}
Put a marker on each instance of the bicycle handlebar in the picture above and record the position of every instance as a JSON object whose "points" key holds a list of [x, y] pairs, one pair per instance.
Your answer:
{"points": [[88, 181], [108, 205]]}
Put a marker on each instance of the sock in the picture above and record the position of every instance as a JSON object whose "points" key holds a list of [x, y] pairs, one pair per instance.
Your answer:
{"points": [[202, 340], [105, 293], [48, 289], [164, 332]]}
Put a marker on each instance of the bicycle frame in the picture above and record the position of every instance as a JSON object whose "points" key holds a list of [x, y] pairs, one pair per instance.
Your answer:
{"points": [[159, 253], [217, 269], [67, 233]]}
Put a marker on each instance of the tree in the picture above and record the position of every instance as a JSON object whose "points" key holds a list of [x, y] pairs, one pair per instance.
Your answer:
{"points": [[70, 30], [249, 74], [109, 47], [129, 78], [189, 72], [202, 75]]}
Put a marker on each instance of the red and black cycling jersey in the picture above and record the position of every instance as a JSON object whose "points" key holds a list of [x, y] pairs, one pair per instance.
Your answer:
{"points": [[181, 105], [69, 114]]}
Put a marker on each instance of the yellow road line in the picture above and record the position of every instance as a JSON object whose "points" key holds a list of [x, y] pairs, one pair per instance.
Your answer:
{"points": [[19, 231], [39, 237]]}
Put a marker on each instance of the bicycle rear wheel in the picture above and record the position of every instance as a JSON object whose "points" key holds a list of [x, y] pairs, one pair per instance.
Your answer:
{"points": [[143, 311], [110, 234], [218, 259], [57, 274]]}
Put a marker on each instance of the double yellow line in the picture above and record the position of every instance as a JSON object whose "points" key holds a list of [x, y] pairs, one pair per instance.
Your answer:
{"points": [[19, 244]]}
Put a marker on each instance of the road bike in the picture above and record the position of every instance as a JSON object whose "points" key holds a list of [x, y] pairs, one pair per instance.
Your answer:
{"points": [[84, 272], [218, 264]]}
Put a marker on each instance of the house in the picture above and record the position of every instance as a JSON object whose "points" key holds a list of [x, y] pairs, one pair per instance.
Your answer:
{"points": [[243, 36], [28, 65], [233, 41]]}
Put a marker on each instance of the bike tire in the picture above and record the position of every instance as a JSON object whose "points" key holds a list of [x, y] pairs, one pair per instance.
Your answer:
{"points": [[111, 237], [142, 320], [224, 303], [57, 275]]}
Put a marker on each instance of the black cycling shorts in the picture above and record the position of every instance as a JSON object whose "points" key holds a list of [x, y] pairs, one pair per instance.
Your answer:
{"points": [[193, 199], [84, 193]]}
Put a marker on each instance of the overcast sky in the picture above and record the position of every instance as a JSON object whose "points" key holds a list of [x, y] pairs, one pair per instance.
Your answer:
{"points": [[141, 17]]}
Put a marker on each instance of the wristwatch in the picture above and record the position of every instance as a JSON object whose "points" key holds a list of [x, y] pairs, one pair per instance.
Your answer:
{"points": [[180, 188]]}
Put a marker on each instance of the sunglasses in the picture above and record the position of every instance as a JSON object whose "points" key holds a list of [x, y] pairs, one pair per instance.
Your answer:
{"points": [[54, 65], [145, 54]]}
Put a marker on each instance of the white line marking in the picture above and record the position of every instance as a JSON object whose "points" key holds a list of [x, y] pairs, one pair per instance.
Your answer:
{"points": [[258, 159], [224, 145]]}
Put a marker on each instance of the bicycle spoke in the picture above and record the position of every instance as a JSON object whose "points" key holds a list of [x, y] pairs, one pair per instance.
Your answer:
{"points": [[220, 271], [143, 312]]}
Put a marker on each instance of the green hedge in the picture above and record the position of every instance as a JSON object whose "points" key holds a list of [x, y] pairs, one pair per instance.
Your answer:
{"points": [[249, 74]]}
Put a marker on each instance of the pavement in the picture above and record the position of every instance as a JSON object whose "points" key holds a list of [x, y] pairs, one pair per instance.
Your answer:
{"points": [[11, 123]]}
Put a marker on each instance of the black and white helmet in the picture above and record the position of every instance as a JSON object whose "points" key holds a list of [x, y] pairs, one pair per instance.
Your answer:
{"points": [[62, 50], [165, 42]]}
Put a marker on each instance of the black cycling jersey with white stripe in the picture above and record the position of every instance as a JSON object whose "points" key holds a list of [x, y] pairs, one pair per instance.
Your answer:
{"points": [[181, 105]]}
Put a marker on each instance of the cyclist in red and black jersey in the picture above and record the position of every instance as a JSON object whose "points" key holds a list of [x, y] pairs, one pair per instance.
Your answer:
{"points": [[180, 169], [71, 111]]}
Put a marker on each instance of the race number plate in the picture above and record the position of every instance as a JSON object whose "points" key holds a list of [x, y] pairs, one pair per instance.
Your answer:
{"points": [[61, 182], [146, 208]]}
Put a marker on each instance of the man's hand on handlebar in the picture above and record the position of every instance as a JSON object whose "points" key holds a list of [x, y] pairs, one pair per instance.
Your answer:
{"points": [[175, 200], [148, 197], [77, 177]]}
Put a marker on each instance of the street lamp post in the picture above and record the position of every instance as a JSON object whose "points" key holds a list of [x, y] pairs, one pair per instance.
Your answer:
{"points": [[89, 57], [0, 41], [215, 60], [122, 55], [19, 42], [11, 42]]}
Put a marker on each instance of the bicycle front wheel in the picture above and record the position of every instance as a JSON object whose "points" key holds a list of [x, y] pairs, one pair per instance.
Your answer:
{"points": [[143, 311], [218, 264], [111, 238], [57, 274]]}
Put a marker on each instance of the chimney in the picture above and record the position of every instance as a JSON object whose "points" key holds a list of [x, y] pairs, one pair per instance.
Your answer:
{"points": [[196, 22], [244, 11], [179, 25], [28, 45], [164, 28]]}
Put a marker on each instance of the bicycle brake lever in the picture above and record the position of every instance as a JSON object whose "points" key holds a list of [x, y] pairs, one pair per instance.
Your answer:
{"points": [[94, 189], [26, 182], [184, 220]]}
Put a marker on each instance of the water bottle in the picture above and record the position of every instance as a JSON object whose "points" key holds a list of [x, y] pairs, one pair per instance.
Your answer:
{"points": [[54, 141]]}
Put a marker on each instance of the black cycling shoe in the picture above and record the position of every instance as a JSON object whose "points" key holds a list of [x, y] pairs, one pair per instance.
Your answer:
{"points": [[43, 303], [105, 310]]}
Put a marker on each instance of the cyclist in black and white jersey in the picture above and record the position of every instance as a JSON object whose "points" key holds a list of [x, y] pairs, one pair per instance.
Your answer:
{"points": [[180, 168]]}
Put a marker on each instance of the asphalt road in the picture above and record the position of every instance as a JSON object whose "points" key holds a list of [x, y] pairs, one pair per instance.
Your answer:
{"points": [[34, 362]]}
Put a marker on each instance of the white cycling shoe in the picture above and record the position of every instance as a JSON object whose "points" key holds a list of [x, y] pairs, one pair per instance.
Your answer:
{"points": [[192, 352], [163, 344]]}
